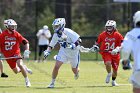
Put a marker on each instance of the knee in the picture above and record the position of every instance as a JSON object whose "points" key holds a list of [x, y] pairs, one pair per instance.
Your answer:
{"points": [[108, 63], [15, 71]]}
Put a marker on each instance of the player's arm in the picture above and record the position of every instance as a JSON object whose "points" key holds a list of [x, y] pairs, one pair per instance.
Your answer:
{"points": [[127, 46], [26, 46], [51, 46]]}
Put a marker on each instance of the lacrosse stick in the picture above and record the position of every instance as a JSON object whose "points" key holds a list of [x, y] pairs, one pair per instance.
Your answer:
{"points": [[11, 58]]}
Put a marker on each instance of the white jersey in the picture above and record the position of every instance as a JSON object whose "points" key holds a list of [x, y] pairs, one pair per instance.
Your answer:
{"points": [[68, 36], [131, 44], [43, 37]]}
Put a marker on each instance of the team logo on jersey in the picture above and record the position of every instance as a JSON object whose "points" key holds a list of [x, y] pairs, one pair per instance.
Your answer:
{"points": [[109, 39], [10, 38]]}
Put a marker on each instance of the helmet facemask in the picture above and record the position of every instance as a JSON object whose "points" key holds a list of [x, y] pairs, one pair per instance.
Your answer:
{"points": [[12, 27], [109, 29]]}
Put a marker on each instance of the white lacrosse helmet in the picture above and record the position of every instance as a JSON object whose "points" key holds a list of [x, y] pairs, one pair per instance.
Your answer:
{"points": [[11, 25], [136, 17], [45, 27], [110, 25], [58, 24]]}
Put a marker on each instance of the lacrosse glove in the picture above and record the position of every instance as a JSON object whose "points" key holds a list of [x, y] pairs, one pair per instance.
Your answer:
{"points": [[126, 65], [46, 53], [95, 48], [26, 53], [115, 51]]}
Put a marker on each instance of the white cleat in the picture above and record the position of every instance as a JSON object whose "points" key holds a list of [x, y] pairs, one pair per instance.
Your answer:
{"points": [[29, 71], [76, 76], [28, 84], [108, 78], [114, 83], [51, 85]]}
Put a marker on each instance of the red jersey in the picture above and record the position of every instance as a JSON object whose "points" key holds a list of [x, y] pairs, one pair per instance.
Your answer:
{"points": [[10, 43], [108, 42]]}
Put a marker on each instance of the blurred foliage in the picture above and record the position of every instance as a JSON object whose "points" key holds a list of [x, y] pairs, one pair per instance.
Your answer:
{"points": [[88, 17]]}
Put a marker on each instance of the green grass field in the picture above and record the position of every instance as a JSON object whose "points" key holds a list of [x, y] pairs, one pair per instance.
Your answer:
{"points": [[91, 80]]}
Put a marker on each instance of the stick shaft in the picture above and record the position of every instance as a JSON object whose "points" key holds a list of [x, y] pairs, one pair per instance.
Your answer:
{"points": [[10, 58]]}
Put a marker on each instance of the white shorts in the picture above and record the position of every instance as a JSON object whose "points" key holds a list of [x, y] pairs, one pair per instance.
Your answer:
{"points": [[74, 61], [135, 79]]}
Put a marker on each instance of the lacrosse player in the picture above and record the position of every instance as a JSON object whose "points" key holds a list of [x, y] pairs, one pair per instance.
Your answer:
{"points": [[131, 45], [43, 40], [68, 52], [3, 75], [109, 42], [10, 41]]}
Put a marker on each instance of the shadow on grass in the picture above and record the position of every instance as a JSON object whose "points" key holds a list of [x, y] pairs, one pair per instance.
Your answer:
{"points": [[94, 86], [52, 88], [8, 86]]}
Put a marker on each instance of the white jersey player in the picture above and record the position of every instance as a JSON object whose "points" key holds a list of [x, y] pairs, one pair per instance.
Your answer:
{"points": [[131, 45], [69, 48]]}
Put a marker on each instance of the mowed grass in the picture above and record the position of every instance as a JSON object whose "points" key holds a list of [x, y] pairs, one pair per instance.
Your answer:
{"points": [[91, 80]]}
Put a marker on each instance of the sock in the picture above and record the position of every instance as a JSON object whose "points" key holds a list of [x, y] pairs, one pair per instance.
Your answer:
{"points": [[53, 80], [113, 78], [26, 79], [110, 73]]}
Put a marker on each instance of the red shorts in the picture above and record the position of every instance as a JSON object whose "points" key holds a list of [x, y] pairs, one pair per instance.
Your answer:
{"points": [[12, 63], [115, 60]]}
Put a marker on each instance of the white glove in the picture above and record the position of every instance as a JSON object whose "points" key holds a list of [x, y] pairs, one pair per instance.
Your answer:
{"points": [[115, 51], [46, 54], [26, 53], [95, 48]]}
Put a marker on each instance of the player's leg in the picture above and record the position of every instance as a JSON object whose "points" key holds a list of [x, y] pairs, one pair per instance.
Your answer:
{"points": [[24, 72], [60, 59], [107, 62], [134, 79], [75, 66], [55, 73], [115, 65], [3, 75]]}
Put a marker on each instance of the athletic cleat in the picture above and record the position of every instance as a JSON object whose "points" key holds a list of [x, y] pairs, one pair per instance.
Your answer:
{"points": [[51, 85], [114, 83], [3, 75], [76, 76], [108, 78], [28, 84], [29, 71]]}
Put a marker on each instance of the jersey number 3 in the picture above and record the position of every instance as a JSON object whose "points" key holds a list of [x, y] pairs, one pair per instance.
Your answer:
{"points": [[9, 45], [109, 46]]}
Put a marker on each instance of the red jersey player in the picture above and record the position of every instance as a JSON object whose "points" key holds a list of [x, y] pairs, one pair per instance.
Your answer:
{"points": [[10, 41], [109, 42]]}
